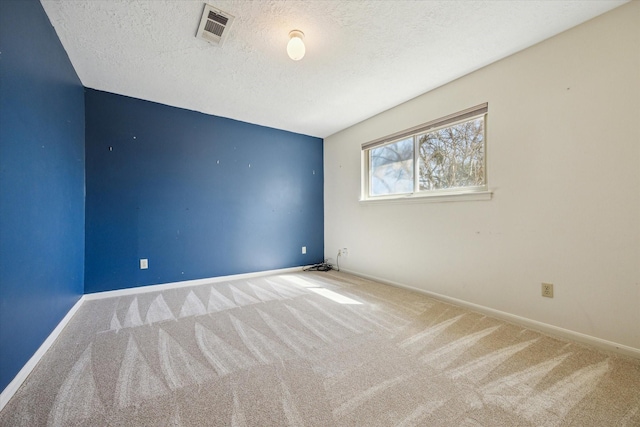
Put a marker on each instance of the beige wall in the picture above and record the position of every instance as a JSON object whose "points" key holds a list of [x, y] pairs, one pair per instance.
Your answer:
{"points": [[563, 141]]}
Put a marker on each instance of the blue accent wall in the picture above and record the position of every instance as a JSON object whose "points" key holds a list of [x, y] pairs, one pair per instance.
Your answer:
{"points": [[199, 196], [41, 183]]}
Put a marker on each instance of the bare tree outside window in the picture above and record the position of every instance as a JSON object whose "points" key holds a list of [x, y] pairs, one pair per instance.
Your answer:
{"points": [[452, 157]]}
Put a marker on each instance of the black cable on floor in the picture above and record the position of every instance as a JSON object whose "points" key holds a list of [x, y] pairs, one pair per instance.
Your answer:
{"points": [[325, 266]]}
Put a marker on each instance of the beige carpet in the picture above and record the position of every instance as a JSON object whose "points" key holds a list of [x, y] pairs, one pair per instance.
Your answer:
{"points": [[315, 349]]}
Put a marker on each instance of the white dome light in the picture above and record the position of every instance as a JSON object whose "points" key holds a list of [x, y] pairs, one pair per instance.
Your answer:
{"points": [[295, 47]]}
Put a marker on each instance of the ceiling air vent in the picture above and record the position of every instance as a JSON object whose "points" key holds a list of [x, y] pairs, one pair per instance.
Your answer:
{"points": [[214, 25]]}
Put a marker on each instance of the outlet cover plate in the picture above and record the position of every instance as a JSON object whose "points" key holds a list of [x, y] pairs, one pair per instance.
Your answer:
{"points": [[547, 290]]}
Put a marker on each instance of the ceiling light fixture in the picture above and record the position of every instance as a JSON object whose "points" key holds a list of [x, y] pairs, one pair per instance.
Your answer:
{"points": [[295, 47]]}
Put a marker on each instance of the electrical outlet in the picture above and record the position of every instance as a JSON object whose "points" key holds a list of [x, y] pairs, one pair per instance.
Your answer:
{"points": [[144, 264], [547, 290], [304, 249], [343, 252]]}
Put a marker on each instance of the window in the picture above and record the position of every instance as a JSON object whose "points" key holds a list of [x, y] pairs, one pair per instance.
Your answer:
{"points": [[441, 157]]}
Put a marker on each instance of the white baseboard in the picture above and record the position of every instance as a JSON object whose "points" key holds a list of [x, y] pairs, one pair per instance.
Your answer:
{"points": [[17, 381], [530, 323], [185, 284]]}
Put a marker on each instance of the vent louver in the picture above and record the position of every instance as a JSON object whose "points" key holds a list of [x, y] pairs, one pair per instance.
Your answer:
{"points": [[214, 25]]}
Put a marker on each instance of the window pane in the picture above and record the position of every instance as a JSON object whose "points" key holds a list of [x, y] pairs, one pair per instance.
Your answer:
{"points": [[453, 156], [391, 168]]}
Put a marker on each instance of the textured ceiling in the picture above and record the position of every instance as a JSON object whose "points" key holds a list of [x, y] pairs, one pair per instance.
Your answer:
{"points": [[363, 57]]}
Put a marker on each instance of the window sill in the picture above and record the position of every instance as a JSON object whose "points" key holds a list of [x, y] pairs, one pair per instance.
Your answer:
{"points": [[430, 198]]}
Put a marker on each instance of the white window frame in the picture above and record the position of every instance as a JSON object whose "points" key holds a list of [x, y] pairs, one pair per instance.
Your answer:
{"points": [[449, 194]]}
